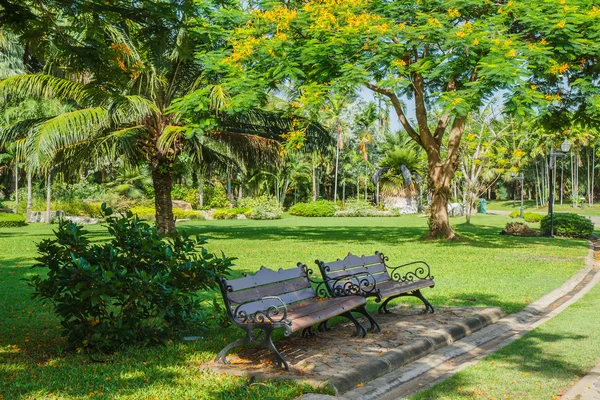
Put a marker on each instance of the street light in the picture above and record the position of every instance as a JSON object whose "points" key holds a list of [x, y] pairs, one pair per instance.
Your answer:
{"points": [[564, 147], [520, 179]]}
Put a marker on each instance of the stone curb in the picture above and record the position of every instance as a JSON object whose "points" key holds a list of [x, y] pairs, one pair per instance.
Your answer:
{"points": [[414, 350]]}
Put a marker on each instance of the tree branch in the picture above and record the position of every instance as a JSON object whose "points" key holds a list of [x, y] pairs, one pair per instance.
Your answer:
{"points": [[399, 110]]}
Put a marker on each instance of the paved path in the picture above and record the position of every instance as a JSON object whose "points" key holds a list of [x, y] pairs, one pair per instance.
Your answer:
{"points": [[595, 220]]}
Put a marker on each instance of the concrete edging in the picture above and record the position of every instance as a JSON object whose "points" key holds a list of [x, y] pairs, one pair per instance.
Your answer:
{"points": [[396, 358]]}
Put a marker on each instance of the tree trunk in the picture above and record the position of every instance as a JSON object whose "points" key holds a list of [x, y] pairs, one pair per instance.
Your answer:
{"points": [[162, 180], [29, 196], [439, 223], [343, 192], [48, 196], [16, 186], [229, 191], [201, 191], [314, 181]]}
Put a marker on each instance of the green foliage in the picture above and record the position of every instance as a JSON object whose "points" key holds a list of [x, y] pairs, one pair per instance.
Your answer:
{"points": [[319, 208], [230, 213], [146, 212], [189, 195], [568, 225], [216, 197], [357, 208], [77, 191], [515, 214], [532, 217], [263, 207], [109, 296], [10, 220]]}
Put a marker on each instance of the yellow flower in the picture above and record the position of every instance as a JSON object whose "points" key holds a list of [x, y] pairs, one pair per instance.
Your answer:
{"points": [[456, 101], [543, 41], [453, 12], [460, 34], [475, 42], [511, 53], [561, 24], [533, 87]]}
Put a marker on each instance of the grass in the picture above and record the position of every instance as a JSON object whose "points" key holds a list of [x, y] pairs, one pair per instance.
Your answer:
{"points": [[541, 365], [529, 205], [484, 269]]}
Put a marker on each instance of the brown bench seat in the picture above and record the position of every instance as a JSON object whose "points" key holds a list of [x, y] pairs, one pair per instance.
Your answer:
{"points": [[370, 276], [283, 299]]}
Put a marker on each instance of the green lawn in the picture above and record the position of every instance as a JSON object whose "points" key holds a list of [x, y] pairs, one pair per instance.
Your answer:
{"points": [[541, 365], [529, 205], [484, 268]]}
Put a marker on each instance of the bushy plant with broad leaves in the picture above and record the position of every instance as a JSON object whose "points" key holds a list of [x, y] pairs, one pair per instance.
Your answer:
{"points": [[568, 225], [136, 289], [189, 195], [319, 208]]}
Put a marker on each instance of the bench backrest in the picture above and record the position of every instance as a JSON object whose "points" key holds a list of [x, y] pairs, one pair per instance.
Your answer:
{"points": [[354, 265], [246, 295]]}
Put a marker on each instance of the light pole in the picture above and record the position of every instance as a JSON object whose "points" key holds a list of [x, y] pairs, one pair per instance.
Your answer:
{"points": [[520, 179], [564, 147]]}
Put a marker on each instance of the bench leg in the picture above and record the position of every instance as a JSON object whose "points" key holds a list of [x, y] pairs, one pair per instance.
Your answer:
{"points": [[417, 293], [240, 342], [268, 344], [374, 325], [323, 326], [308, 332], [360, 330]]}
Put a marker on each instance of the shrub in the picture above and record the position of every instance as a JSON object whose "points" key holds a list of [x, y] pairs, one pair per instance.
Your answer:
{"points": [[146, 212], [568, 225], [263, 207], [515, 214], [518, 229], [358, 208], [230, 213], [216, 197], [109, 295], [189, 195], [319, 208], [9, 220], [532, 217]]}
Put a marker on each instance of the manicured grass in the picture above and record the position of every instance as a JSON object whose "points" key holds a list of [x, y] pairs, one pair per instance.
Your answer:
{"points": [[541, 365], [529, 205], [484, 268]]}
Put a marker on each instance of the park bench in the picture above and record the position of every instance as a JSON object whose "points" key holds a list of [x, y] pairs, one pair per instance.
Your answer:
{"points": [[283, 299], [376, 279]]}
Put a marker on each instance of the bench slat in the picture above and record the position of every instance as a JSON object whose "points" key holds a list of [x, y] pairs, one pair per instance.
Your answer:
{"points": [[329, 309], [265, 276], [393, 288], [376, 268], [276, 289], [374, 259], [335, 265]]}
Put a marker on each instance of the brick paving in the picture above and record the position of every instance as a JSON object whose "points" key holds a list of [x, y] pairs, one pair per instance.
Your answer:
{"points": [[321, 357]]}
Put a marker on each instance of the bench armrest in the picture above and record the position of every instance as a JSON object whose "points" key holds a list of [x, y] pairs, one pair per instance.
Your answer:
{"points": [[361, 284], [271, 314], [421, 272]]}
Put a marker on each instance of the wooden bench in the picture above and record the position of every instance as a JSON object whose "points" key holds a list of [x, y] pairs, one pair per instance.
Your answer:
{"points": [[286, 299], [376, 278]]}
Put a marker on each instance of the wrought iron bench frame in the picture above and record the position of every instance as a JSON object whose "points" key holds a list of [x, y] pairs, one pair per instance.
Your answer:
{"points": [[259, 325], [394, 274]]}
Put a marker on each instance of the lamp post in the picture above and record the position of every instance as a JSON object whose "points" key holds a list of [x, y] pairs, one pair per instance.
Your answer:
{"points": [[520, 179], [564, 147]]}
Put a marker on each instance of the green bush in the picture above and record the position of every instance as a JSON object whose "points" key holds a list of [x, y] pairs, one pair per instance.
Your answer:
{"points": [[263, 207], [146, 212], [216, 197], [108, 295], [358, 208], [515, 214], [568, 225], [10, 220], [532, 217], [319, 208], [189, 195], [230, 213]]}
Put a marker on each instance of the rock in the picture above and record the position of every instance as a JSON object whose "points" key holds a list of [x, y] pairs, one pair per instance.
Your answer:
{"points": [[403, 204], [456, 210], [40, 216], [182, 205], [7, 210], [83, 220], [240, 216]]}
